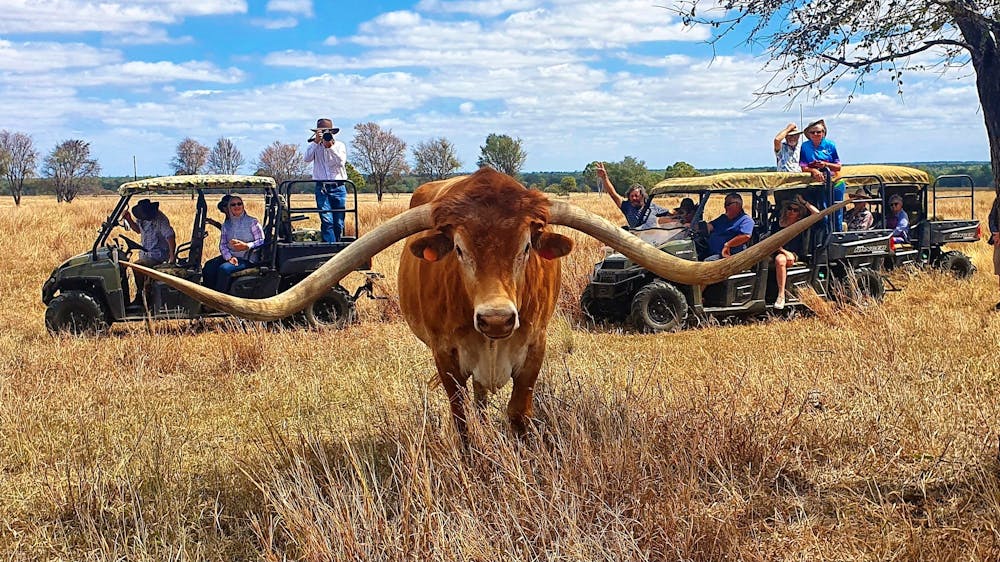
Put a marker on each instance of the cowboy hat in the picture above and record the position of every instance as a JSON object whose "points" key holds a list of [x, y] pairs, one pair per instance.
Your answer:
{"points": [[145, 209], [320, 126], [223, 203], [819, 122]]}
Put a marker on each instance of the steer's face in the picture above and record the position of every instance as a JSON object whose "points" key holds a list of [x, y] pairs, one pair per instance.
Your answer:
{"points": [[494, 254]]}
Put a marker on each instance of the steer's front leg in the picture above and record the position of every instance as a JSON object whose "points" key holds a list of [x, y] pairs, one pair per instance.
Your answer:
{"points": [[520, 408], [453, 380]]}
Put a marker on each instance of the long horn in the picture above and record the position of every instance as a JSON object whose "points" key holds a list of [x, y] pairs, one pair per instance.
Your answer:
{"points": [[671, 267], [317, 283]]}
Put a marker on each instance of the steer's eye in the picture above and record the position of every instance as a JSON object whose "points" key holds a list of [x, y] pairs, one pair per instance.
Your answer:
{"points": [[458, 251], [527, 248]]}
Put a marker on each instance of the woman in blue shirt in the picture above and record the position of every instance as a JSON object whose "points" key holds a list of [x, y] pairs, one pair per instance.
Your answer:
{"points": [[818, 153]]}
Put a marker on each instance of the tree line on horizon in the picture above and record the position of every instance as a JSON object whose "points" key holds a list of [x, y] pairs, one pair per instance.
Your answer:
{"points": [[377, 163]]}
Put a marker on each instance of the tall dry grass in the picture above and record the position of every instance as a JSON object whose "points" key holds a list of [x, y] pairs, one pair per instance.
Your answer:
{"points": [[849, 434]]}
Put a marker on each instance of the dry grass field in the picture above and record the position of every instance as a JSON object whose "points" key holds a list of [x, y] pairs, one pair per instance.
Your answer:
{"points": [[847, 434]]}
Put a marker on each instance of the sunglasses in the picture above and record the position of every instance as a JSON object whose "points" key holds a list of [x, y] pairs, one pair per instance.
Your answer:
{"points": [[237, 204], [815, 132], [794, 210]]}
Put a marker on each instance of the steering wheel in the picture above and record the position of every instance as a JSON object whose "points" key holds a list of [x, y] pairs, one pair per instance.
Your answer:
{"points": [[699, 235], [132, 244]]}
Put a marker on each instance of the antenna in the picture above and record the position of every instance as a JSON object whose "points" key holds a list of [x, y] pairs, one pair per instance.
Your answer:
{"points": [[135, 170], [800, 117]]}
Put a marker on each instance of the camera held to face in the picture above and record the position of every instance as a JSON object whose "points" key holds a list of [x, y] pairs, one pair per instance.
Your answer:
{"points": [[327, 135]]}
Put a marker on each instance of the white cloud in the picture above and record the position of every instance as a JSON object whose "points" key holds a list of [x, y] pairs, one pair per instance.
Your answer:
{"points": [[79, 16], [275, 23], [419, 58], [301, 7], [47, 57], [139, 73], [489, 8]]}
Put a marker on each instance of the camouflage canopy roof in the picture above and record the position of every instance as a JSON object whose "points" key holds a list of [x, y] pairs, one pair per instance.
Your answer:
{"points": [[853, 175], [187, 183]]}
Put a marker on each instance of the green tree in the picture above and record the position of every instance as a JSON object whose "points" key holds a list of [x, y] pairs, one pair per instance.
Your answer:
{"points": [[680, 170], [565, 186], [355, 176], [811, 46], [503, 154], [624, 174]]}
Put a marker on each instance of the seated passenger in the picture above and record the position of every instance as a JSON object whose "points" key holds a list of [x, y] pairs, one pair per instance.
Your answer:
{"points": [[241, 233], [788, 254], [683, 214], [730, 231], [631, 207], [897, 220], [859, 217], [210, 271], [157, 239]]}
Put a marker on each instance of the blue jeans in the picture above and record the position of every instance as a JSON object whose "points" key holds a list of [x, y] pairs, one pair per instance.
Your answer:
{"points": [[225, 270], [331, 195], [839, 189], [210, 272]]}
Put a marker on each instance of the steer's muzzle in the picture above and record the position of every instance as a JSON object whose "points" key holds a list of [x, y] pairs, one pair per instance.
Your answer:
{"points": [[496, 322]]}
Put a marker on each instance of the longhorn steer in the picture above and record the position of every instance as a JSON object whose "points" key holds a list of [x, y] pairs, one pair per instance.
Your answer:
{"points": [[479, 287]]}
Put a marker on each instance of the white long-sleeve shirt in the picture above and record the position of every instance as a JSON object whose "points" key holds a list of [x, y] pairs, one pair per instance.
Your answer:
{"points": [[328, 163]]}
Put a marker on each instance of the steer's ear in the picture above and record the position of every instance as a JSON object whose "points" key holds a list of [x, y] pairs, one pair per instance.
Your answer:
{"points": [[550, 245], [432, 247]]}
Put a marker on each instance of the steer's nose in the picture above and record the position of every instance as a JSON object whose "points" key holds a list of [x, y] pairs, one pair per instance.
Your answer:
{"points": [[496, 322]]}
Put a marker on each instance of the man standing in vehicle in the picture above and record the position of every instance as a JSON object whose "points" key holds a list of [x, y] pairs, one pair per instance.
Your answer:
{"points": [[730, 231], [786, 149], [329, 160], [158, 241]]}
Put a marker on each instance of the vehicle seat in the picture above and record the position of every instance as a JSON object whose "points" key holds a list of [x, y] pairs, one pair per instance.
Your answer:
{"points": [[177, 270], [245, 272], [306, 235]]}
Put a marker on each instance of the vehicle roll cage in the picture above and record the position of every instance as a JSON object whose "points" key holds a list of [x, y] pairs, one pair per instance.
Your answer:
{"points": [[287, 188]]}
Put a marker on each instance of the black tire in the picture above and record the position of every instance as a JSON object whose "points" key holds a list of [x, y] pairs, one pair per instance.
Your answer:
{"points": [[591, 308], [956, 263], [597, 311], [658, 307], [869, 285], [75, 312], [334, 310]]}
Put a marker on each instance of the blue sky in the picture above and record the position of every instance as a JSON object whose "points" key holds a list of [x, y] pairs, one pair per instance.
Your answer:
{"points": [[576, 80]]}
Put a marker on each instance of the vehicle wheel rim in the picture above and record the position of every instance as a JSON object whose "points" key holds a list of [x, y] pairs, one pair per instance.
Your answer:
{"points": [[660, 311], [327, 311]]}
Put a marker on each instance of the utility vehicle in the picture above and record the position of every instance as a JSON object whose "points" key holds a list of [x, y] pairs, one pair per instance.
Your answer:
{"points": [[835, 265], [90, 291]]}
